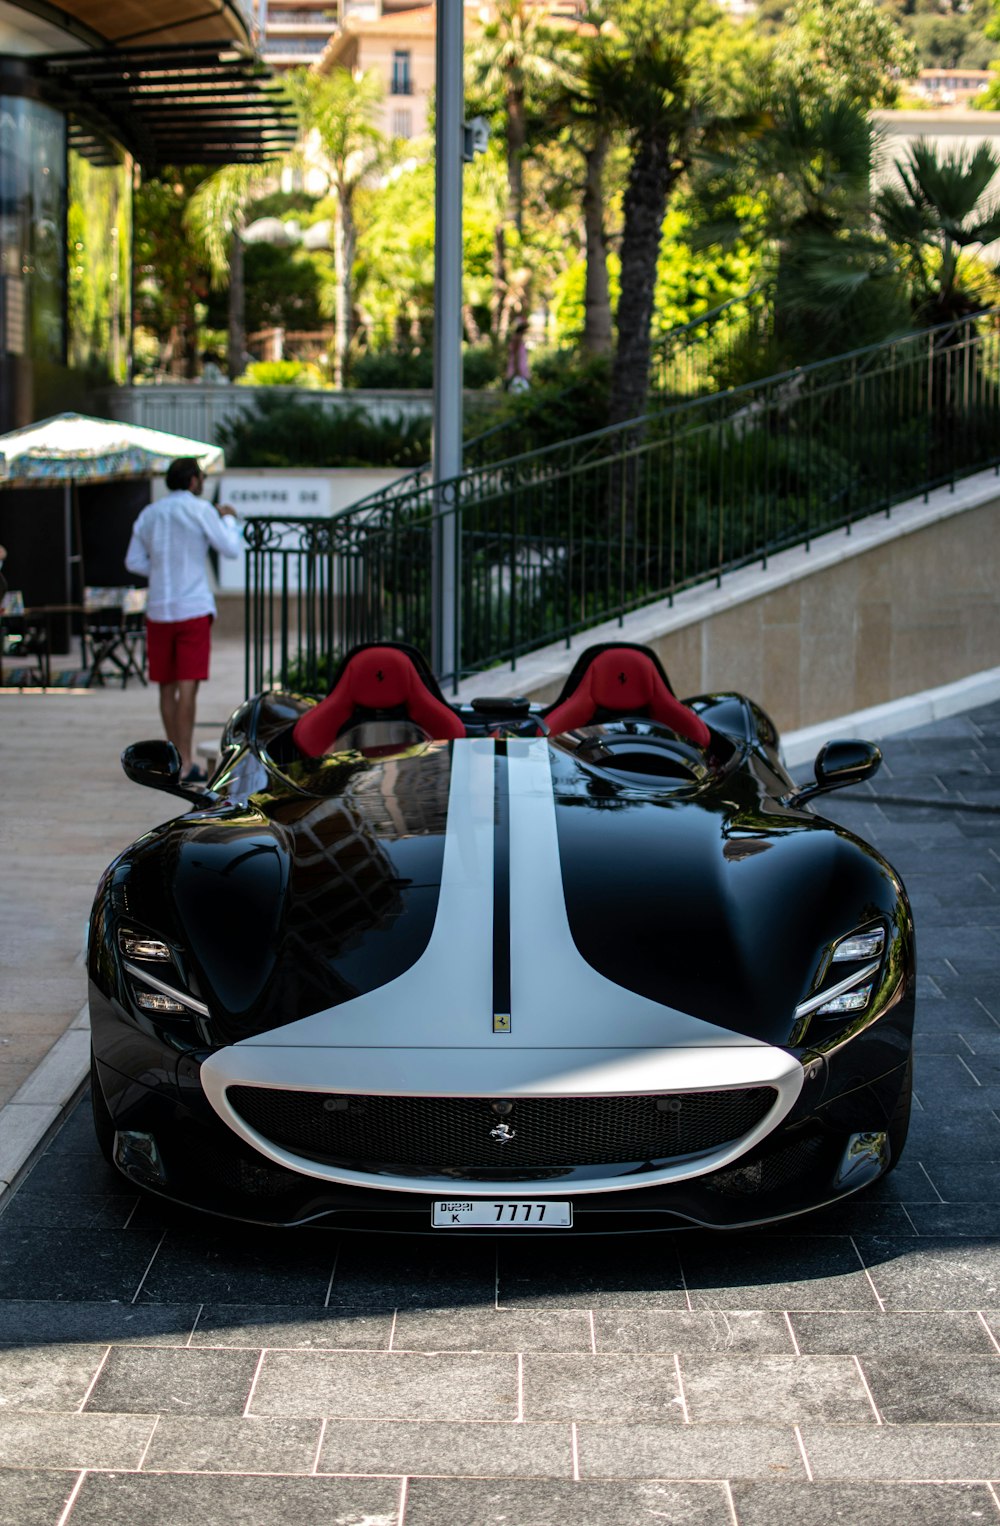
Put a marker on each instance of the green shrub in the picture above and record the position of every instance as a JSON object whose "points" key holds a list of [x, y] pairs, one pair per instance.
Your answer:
{"points": [[398, 369], [288, 431], [280, 373]]}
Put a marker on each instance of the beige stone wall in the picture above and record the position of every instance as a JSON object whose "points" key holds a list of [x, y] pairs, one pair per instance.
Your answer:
{"points": [[918, 611]]}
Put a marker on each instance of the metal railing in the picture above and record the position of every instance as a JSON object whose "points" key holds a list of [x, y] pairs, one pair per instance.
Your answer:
{"points": [[705, 355], [555, 541]]}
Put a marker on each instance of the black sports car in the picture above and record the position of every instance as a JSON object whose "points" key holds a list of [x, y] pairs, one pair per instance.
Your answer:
{"points": [[409, 965]]}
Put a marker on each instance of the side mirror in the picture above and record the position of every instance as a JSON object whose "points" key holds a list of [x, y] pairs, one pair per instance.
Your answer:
{"points": [[157, 764], [839, 764]]}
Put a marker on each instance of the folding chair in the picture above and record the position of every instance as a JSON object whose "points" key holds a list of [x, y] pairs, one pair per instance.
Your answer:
{"points": [[114, 631], [23, 641]]}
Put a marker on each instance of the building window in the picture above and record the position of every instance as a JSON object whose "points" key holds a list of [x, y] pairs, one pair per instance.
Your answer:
{"points": [[402, 124], [402, 84]]}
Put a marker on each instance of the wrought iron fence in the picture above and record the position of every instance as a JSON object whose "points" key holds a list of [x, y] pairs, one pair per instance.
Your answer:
{"points": [[716, 349], [551, 542]]}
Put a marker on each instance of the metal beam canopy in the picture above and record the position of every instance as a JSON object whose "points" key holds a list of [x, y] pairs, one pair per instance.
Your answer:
{"points": [[148, 98]]}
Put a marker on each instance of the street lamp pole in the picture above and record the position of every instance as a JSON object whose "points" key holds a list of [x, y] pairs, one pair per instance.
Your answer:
{"points": [[446, 436]]}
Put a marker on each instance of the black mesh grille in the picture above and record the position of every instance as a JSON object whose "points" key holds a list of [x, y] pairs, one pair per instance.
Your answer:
{"points": [[771, 1172], [435, 1134]]}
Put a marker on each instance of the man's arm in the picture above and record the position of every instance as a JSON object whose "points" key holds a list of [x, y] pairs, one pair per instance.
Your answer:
{"points": [[137, 557], [223, 529]]}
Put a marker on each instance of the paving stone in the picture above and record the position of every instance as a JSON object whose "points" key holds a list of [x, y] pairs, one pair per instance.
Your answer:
{"points": [[291, 1326], [860, 1214], [58, 1210], [407, 1386], [469, 1449], [87, 1172], [933, 1274], [915, 1452], [977, 1181], [235, 1267], [950, 1220], [73, 1263], [127, 1499], [863, 1504], [47, 1379], [561, 1386], [388, 1274], [933, 1386], [956, 1136], [73, 1441], [768, 1390], [34, 1496], [689, 1451], [208, 1444], [886, 1335], [768, 1272], [431, 1502], [492, 1330], [150, 1380], [711, 1330], [24, 1322], [591, 1274]]}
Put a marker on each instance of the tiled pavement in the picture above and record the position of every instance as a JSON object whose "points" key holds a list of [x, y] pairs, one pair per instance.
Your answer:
{"points": [[156, 1369]]}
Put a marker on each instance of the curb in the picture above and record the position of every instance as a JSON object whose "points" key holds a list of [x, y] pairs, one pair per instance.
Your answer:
{"points": [[41, 1103], [895, 715]]}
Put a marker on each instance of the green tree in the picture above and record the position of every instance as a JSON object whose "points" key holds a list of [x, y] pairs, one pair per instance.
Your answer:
{"points": [[943, 207], [844, 50], [215, 218], [578, 108], [173, 279], [517, 55], [648, 82], [798, 190], [340, 108]]}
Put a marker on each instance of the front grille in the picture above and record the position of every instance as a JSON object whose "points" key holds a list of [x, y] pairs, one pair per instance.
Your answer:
{"points": [[453, 1134]]}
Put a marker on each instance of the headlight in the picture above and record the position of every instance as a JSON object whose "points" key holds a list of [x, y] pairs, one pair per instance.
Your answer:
{"points": [[138, 946], [852, 991], [179, 1001], [867, 945]]}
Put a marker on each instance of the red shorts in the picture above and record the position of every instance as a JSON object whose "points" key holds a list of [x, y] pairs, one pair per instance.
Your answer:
{"points": [[178, 649]]}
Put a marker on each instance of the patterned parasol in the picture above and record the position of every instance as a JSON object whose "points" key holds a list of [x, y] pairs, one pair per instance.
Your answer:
{"points": [[74, 448]]}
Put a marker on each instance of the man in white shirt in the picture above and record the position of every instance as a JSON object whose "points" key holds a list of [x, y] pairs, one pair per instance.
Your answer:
{"points": [[169, 546]]}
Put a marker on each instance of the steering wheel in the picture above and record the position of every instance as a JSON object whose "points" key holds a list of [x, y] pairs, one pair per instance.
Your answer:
{"points": [[521, 726], [653, 733]]}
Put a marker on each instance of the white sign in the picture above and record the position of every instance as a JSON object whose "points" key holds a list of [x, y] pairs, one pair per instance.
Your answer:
{"points": [[296, 497]]}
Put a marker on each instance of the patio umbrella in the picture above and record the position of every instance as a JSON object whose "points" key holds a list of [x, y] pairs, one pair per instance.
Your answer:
{"points": [[72, 448]]}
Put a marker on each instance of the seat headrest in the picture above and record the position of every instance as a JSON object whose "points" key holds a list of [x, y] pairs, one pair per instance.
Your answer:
{"points": [[627, 680], [376, 678]]}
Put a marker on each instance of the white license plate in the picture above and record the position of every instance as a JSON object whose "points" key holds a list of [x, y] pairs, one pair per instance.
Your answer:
{"points": [[483, 1213]]}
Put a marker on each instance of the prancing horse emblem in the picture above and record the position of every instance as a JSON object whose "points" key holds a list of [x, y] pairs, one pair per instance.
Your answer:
{"points": [[503, 1133]]}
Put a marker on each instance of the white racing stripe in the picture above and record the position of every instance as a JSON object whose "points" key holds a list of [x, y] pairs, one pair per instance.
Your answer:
{"points": [[430, 1031]]}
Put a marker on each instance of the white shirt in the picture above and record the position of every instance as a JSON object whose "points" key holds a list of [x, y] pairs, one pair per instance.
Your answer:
{"points": [[169, 545]]}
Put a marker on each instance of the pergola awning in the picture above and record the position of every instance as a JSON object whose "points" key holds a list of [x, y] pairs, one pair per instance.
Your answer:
{"points": [[204, 103]]}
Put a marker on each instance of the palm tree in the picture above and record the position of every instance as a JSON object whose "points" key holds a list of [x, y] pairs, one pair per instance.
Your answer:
{"points": [[940, 209], [644, 81], [516, 53], [579, 110], [340, 108], [215, 218]]}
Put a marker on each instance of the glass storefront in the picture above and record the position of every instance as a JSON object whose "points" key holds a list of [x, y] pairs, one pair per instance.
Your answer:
{"points": [[32, 223], [99, 239]]}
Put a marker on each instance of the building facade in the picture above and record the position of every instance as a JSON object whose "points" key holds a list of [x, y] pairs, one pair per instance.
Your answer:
{"points": [[91, 94]]}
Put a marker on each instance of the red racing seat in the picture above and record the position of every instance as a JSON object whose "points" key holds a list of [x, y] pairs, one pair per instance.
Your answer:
{"points": [[373, 681], [619, 680]]}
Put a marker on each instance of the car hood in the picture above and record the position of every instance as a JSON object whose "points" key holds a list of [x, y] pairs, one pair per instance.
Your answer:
{"points": [[482, 894]]}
